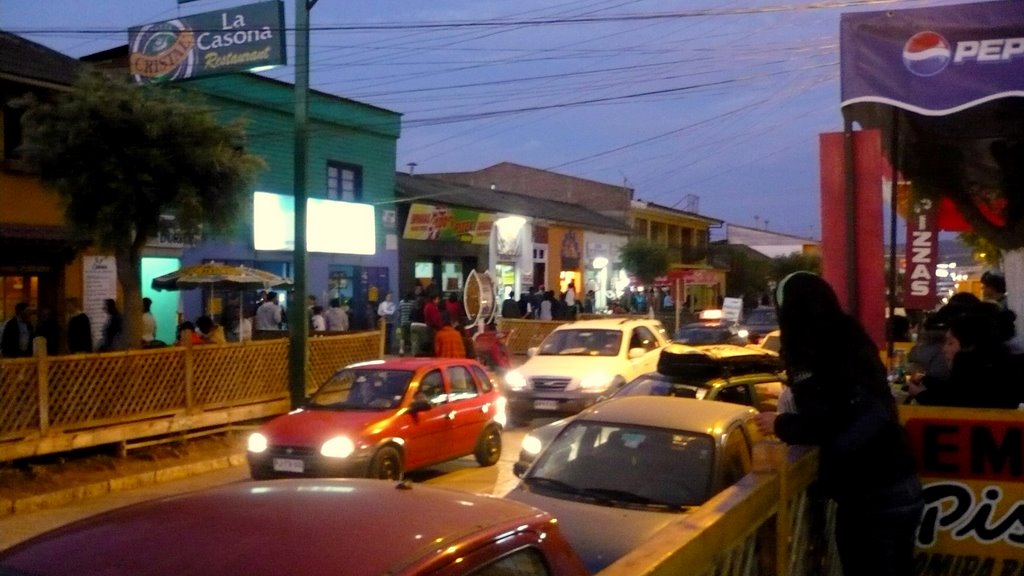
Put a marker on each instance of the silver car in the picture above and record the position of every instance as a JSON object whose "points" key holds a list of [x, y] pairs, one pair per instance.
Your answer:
{"points": [[620, 472]]}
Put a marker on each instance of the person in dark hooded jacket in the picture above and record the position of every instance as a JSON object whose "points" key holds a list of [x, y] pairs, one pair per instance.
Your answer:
{"points": [[844, 406]]}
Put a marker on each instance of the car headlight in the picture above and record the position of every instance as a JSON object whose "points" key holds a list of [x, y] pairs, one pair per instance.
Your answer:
{"points": [[596, 381], [515, 380], [338, 447], [531, 445], [257, 443], [743, 333], [501, 411]]}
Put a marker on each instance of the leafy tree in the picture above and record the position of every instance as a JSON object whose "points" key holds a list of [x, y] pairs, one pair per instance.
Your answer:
{"points": [[783, 266], [121, 155], [644, 259], [750, 272]]}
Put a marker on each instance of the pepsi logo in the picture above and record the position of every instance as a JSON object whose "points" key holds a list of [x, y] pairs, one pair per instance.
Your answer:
{"points": [[926, 54]]}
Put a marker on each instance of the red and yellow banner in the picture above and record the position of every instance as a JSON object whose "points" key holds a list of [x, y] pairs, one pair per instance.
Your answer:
{"points": [[971, 463], [428, 222]]}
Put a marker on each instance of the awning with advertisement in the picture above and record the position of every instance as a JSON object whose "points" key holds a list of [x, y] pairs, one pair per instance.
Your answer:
{"points": [[219, 42], [429, 222], [933, 61]]}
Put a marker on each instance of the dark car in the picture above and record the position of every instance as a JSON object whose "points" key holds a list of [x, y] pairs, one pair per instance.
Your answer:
{"points": [[724, 373], [759, 322], [380, 418], [711, 332], [356, 527]]}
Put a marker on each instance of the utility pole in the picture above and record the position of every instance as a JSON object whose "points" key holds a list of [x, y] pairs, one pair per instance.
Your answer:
{"points": [[298, 323]]}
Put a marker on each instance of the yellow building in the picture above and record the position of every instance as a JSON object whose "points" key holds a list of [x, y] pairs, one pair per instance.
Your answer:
{"points": [[691, 280]]}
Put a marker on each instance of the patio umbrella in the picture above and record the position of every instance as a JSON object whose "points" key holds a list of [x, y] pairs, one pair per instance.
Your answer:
{"points": [[216, 275]]}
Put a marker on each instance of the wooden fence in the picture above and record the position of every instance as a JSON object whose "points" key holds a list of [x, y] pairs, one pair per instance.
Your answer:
{"points": [[59, 403], [767, 524]]}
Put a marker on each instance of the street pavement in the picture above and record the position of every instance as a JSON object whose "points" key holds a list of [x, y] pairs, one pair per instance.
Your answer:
{"points": [[462, 474]]}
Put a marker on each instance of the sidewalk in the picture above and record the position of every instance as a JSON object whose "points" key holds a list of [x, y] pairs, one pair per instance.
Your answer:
{"points": [[57, 481]]}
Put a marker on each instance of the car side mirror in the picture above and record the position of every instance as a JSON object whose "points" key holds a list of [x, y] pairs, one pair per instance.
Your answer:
{"points": [[519, 469], [635, 353], [532, 351], [419, 405]]}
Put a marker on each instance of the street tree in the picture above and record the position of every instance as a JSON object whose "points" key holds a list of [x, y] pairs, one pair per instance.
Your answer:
{"points": [[121, 156], [644, 259]]}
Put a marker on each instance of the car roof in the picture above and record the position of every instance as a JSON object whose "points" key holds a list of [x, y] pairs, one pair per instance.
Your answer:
{"points": [[667, 412], [612, 323], [412, 363], [715, 360], [350, 526]]}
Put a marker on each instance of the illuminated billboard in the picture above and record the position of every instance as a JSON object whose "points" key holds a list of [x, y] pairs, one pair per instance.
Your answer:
{"points": [[331, 226], [219, 42]]}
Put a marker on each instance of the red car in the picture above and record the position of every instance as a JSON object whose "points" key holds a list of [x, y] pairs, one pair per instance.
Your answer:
{"points": [[355, 527], [379, 419]]}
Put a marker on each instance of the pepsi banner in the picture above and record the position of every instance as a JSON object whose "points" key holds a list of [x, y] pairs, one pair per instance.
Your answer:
{"points": [[933, 61], [220, 42]]}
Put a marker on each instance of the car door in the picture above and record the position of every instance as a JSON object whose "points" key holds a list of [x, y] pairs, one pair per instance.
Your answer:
{"points": [[642, 337], [467, 415], [428, 431]]}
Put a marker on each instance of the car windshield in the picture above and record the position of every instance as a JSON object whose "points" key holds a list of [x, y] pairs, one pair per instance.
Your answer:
{"points": [[362, 389], [582, 343], [626, 465], [659, 385], [695, 335], [761, 317]]}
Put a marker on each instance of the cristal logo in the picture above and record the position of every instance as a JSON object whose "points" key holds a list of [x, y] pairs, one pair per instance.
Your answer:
{"points": [[926, 54]]}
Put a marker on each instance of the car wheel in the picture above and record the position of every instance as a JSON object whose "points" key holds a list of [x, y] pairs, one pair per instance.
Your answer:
{"points": [[386, 464], [488, 447]]}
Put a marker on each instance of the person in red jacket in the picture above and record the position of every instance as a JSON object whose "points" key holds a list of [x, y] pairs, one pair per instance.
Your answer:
{"points": [[432, 314], [448, 341]]}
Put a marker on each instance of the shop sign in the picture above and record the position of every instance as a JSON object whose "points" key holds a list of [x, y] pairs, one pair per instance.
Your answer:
{"points": [[971, 465], [692, 276], [428, 222], [219, 42], [921, 256], [570, 251]]}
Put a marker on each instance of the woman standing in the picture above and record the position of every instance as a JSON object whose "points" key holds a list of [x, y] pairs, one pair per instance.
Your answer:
{"points": [[844, 405]]}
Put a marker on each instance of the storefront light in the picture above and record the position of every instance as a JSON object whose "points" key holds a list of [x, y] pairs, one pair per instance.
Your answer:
{"points": [[509, 226], [600, 262]]}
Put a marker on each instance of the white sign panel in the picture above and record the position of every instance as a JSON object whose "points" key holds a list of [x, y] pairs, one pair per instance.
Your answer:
{"points": [[99, 282], [731, 309]]}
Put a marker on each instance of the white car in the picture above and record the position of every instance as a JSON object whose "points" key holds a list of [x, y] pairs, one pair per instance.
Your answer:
{"points": [[581, 363], [623, 470]]}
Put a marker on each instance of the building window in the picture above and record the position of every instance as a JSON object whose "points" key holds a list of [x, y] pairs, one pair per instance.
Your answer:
{"points": [[344, 182]]}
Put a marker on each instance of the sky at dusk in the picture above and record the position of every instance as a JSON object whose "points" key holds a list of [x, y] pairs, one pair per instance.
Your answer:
{"points": [[712, 106]]}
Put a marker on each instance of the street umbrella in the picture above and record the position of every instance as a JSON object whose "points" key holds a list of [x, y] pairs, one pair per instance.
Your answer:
{"points": [[217, 275]]}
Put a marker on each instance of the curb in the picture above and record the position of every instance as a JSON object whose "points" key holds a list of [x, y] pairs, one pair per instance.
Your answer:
{"points": [[67, 495]]}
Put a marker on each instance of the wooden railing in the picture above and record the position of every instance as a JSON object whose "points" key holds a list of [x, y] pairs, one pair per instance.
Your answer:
{"points": [[766, 524], [59, 403]]}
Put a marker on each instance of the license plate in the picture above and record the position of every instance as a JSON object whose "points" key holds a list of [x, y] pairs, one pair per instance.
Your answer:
{"points": [[288, 465], [545, 404]]}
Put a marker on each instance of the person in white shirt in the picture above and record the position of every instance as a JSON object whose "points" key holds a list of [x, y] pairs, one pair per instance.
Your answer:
{"points": [[317, 320], [268, 315], [386, 310], [148, 322]]}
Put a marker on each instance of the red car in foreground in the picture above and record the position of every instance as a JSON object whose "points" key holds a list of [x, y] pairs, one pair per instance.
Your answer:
{"points": [[379, 419], [355, 527]]}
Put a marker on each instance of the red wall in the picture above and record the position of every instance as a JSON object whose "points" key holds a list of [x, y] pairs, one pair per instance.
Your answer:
{"points": [[868, 228]]}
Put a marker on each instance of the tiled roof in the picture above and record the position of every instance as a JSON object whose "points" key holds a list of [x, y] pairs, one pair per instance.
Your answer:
{"points": [[427, 190], [22, 59]]}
